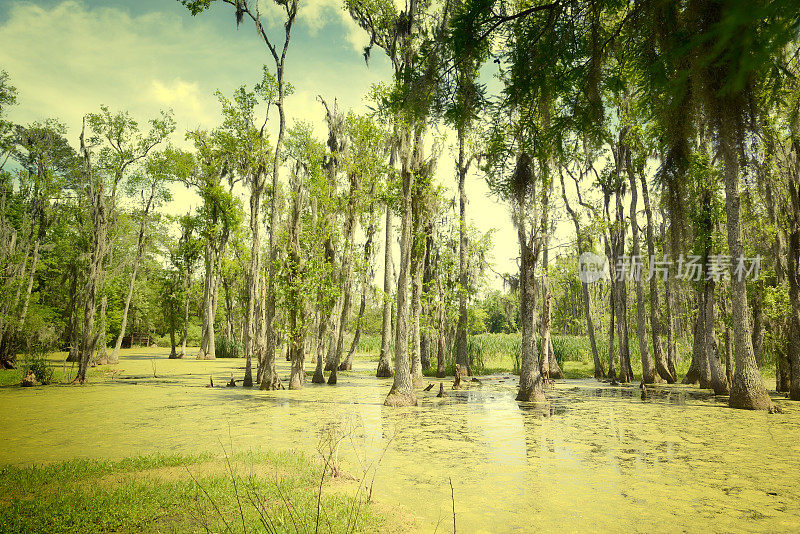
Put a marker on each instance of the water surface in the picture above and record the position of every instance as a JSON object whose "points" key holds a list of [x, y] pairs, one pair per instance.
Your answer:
{"points": [[597, 457]]}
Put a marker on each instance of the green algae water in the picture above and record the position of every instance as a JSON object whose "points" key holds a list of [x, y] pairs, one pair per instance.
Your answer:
{"points": [[595, 458]]}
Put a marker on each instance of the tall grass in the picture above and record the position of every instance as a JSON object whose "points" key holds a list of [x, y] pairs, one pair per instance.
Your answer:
{"points": [[249, 492], [368, 344]]}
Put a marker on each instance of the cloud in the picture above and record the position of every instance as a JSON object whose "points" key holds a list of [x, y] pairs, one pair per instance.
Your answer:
{"points": [[68, 59]]}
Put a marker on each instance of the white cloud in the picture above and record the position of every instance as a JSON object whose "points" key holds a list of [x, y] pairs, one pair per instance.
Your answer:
{"points": [[68, 59]]}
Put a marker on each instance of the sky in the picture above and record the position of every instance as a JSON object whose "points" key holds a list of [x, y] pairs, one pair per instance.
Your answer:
{"points": [[68, 57]]}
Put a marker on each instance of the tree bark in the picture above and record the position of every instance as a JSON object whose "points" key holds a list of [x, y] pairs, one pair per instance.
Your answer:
{"points": [[346, 277], [662, 367], [649, 374], [748, 389], [253, 278], [463, 243], [97, 203], [672, 356], [530, 379], [417, 268], [208, 336], [621, 294], [402, 392], [102, 352], [719, 383], [384, 365], [269, 375], [758, 324], [612, 369], [794, 293], [295, 304], [548, 364]]}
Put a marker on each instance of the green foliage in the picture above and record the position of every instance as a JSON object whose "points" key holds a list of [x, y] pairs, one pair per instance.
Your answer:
{"points": [[40, 366], [501, 311]]}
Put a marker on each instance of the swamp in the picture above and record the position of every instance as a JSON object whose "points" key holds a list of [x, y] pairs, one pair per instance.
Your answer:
{"points": [[399, 266]]}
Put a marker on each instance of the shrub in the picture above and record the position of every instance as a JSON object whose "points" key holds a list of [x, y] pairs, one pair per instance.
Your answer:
{"points": [[40, 366]]}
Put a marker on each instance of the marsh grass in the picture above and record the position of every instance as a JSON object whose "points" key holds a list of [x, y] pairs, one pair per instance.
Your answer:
{"points": [[245, 492], [499, 353], [57, 369]]}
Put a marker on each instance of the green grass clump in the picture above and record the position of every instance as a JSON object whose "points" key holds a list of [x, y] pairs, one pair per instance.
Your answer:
{"points": [[248, 492], [228, 348], [368, 344]]}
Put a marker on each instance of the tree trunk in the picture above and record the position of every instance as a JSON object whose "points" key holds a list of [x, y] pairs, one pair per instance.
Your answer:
{"points": [[384, 365], [269, 375], [748, 389], [544, 362], [549, 366], [250, 329], [333, 334], [426, 344], [649, 374], [207, 343], [758, 324], [185, 327], [662, 367], [695, 374], [366, 279], [530, 379], [718, 381], [102, 350], [672, 356], [402, 392], [347, 279], [612, 369], [794, 294], [29, 286], [461, 329], [97, 203], [417, 268], [347, 364], [599, 372], [173, 353], [295, 304], [728, 356], [139, 249], [319, 375], [621, 294], [73, 325]]}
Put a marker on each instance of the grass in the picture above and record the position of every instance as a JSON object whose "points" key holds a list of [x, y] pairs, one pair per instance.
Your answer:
{"points": [[62, 373], [496, 353], [247, 492]]}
